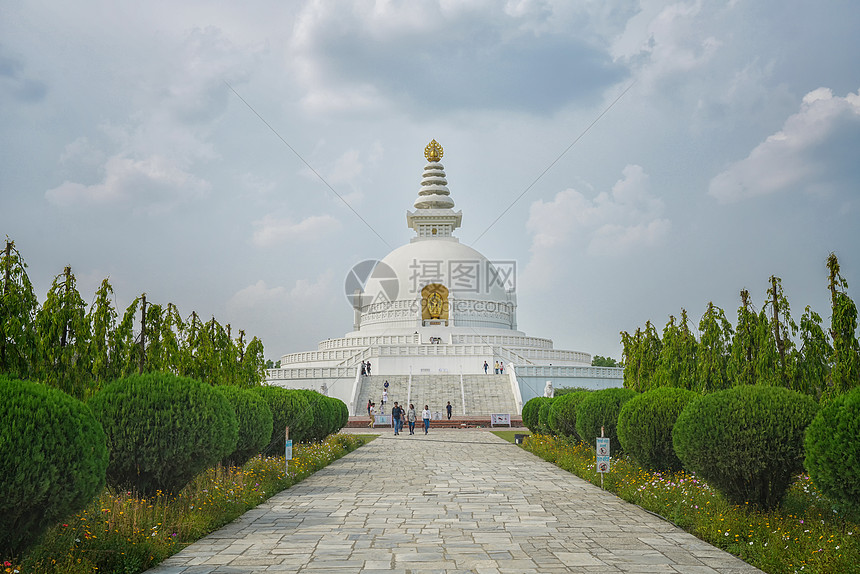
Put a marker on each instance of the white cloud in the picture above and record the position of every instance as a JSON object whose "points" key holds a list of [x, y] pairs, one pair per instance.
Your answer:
{"points": [[361, 57], [613, 224], [150, 157], [273, 230], [815, 151], [664, 42], [283, 317], [155, 183]]}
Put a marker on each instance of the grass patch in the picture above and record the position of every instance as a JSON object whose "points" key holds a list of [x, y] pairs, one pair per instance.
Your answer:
{"points": [[508, 435], [120, 532], [805, 535]]}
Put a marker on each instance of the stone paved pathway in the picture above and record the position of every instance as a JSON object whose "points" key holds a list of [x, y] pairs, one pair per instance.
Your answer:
{"points": [[452, 501]]}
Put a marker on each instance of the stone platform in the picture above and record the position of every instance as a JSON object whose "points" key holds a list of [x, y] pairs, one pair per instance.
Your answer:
{"points": [[449, 502], [475, 422]]}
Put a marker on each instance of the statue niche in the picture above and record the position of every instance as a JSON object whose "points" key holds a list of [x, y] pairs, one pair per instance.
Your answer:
{"points": [[434, 304]]}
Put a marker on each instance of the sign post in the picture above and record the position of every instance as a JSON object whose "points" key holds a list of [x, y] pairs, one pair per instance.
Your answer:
{"points": [[288, 449], [603, 456]]}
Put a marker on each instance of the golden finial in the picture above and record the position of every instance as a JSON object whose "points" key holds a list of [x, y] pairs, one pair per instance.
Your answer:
{"points": [[433, 151]]}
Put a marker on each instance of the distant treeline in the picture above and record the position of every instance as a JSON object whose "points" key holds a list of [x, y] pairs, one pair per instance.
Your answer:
{"points": [[765, 347], [79, 348]]}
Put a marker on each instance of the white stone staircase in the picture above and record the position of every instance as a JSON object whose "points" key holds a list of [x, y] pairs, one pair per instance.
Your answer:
{"points": [[485, 394]]}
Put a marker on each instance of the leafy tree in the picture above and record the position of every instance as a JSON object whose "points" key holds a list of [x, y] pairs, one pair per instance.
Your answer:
{"points": [[630, 356], [63, 333], [164, 325], [253, 372], [104, 365], [676, 366], [716, 335], [813, 368], [767, 358], [598, 361], [641, 354], [125, 345], [845, 373], [18, 306], [741, 365], [784, 329]]}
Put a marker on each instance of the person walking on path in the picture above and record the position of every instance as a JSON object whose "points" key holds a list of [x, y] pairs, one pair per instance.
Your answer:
{"points": [[384, 398], [411, 417], [371, 414], [496, 367], [449, 408], [486, 366], [501, 367], [426, 416], [396, 412]]}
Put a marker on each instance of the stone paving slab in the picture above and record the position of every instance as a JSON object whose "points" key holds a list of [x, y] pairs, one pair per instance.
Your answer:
{"points": [[449, 502]]}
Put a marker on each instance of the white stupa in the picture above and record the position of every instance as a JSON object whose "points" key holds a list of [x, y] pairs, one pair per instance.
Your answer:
{"points": [[428, 316]]}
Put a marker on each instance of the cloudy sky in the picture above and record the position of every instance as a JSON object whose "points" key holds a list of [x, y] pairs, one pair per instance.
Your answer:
{"points": [[199, 151]]}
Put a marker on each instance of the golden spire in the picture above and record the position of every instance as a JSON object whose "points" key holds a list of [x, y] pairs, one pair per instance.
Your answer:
{"points": [[433, 151]]}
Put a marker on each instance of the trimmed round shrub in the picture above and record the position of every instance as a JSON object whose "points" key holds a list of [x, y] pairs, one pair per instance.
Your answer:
{"points": [[562, 416], [54, 457], [645, 426], [833, 451], [163, 430], [290, 408], [543, 416], [531, 412], [325, 414], [747, 441], [255, 424], [600, 409]]}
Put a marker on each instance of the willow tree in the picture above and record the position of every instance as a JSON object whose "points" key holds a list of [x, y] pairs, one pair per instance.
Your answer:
{"points": [[63, 333], [18, 306], [713, 351], [845, 360], [741, 366]]}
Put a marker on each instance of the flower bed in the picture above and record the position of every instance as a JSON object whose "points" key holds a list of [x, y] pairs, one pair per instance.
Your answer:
{"points": [[804, 535], [120, 532]]}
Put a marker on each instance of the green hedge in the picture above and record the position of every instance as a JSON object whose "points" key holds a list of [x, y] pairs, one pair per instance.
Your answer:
{"points": [[531, 412], [543, 416], [54, 457], [747, 441], [600, 409], [163, 430], [645, 426], [833, 451], [562, 416], [255, 423]]}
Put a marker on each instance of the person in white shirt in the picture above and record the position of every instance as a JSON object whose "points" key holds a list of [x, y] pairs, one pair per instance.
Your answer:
{"points": [[426, 416]]}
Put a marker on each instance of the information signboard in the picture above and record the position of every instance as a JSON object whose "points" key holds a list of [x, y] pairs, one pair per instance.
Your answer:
{"points": [[500, 419], [603, 453], [383, 420], [289, 450]]}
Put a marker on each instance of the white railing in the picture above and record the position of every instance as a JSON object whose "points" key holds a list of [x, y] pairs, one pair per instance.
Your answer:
{"points": [[515, 387], [506, 340], [309, 373], [356, 387], [574, 372]]}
